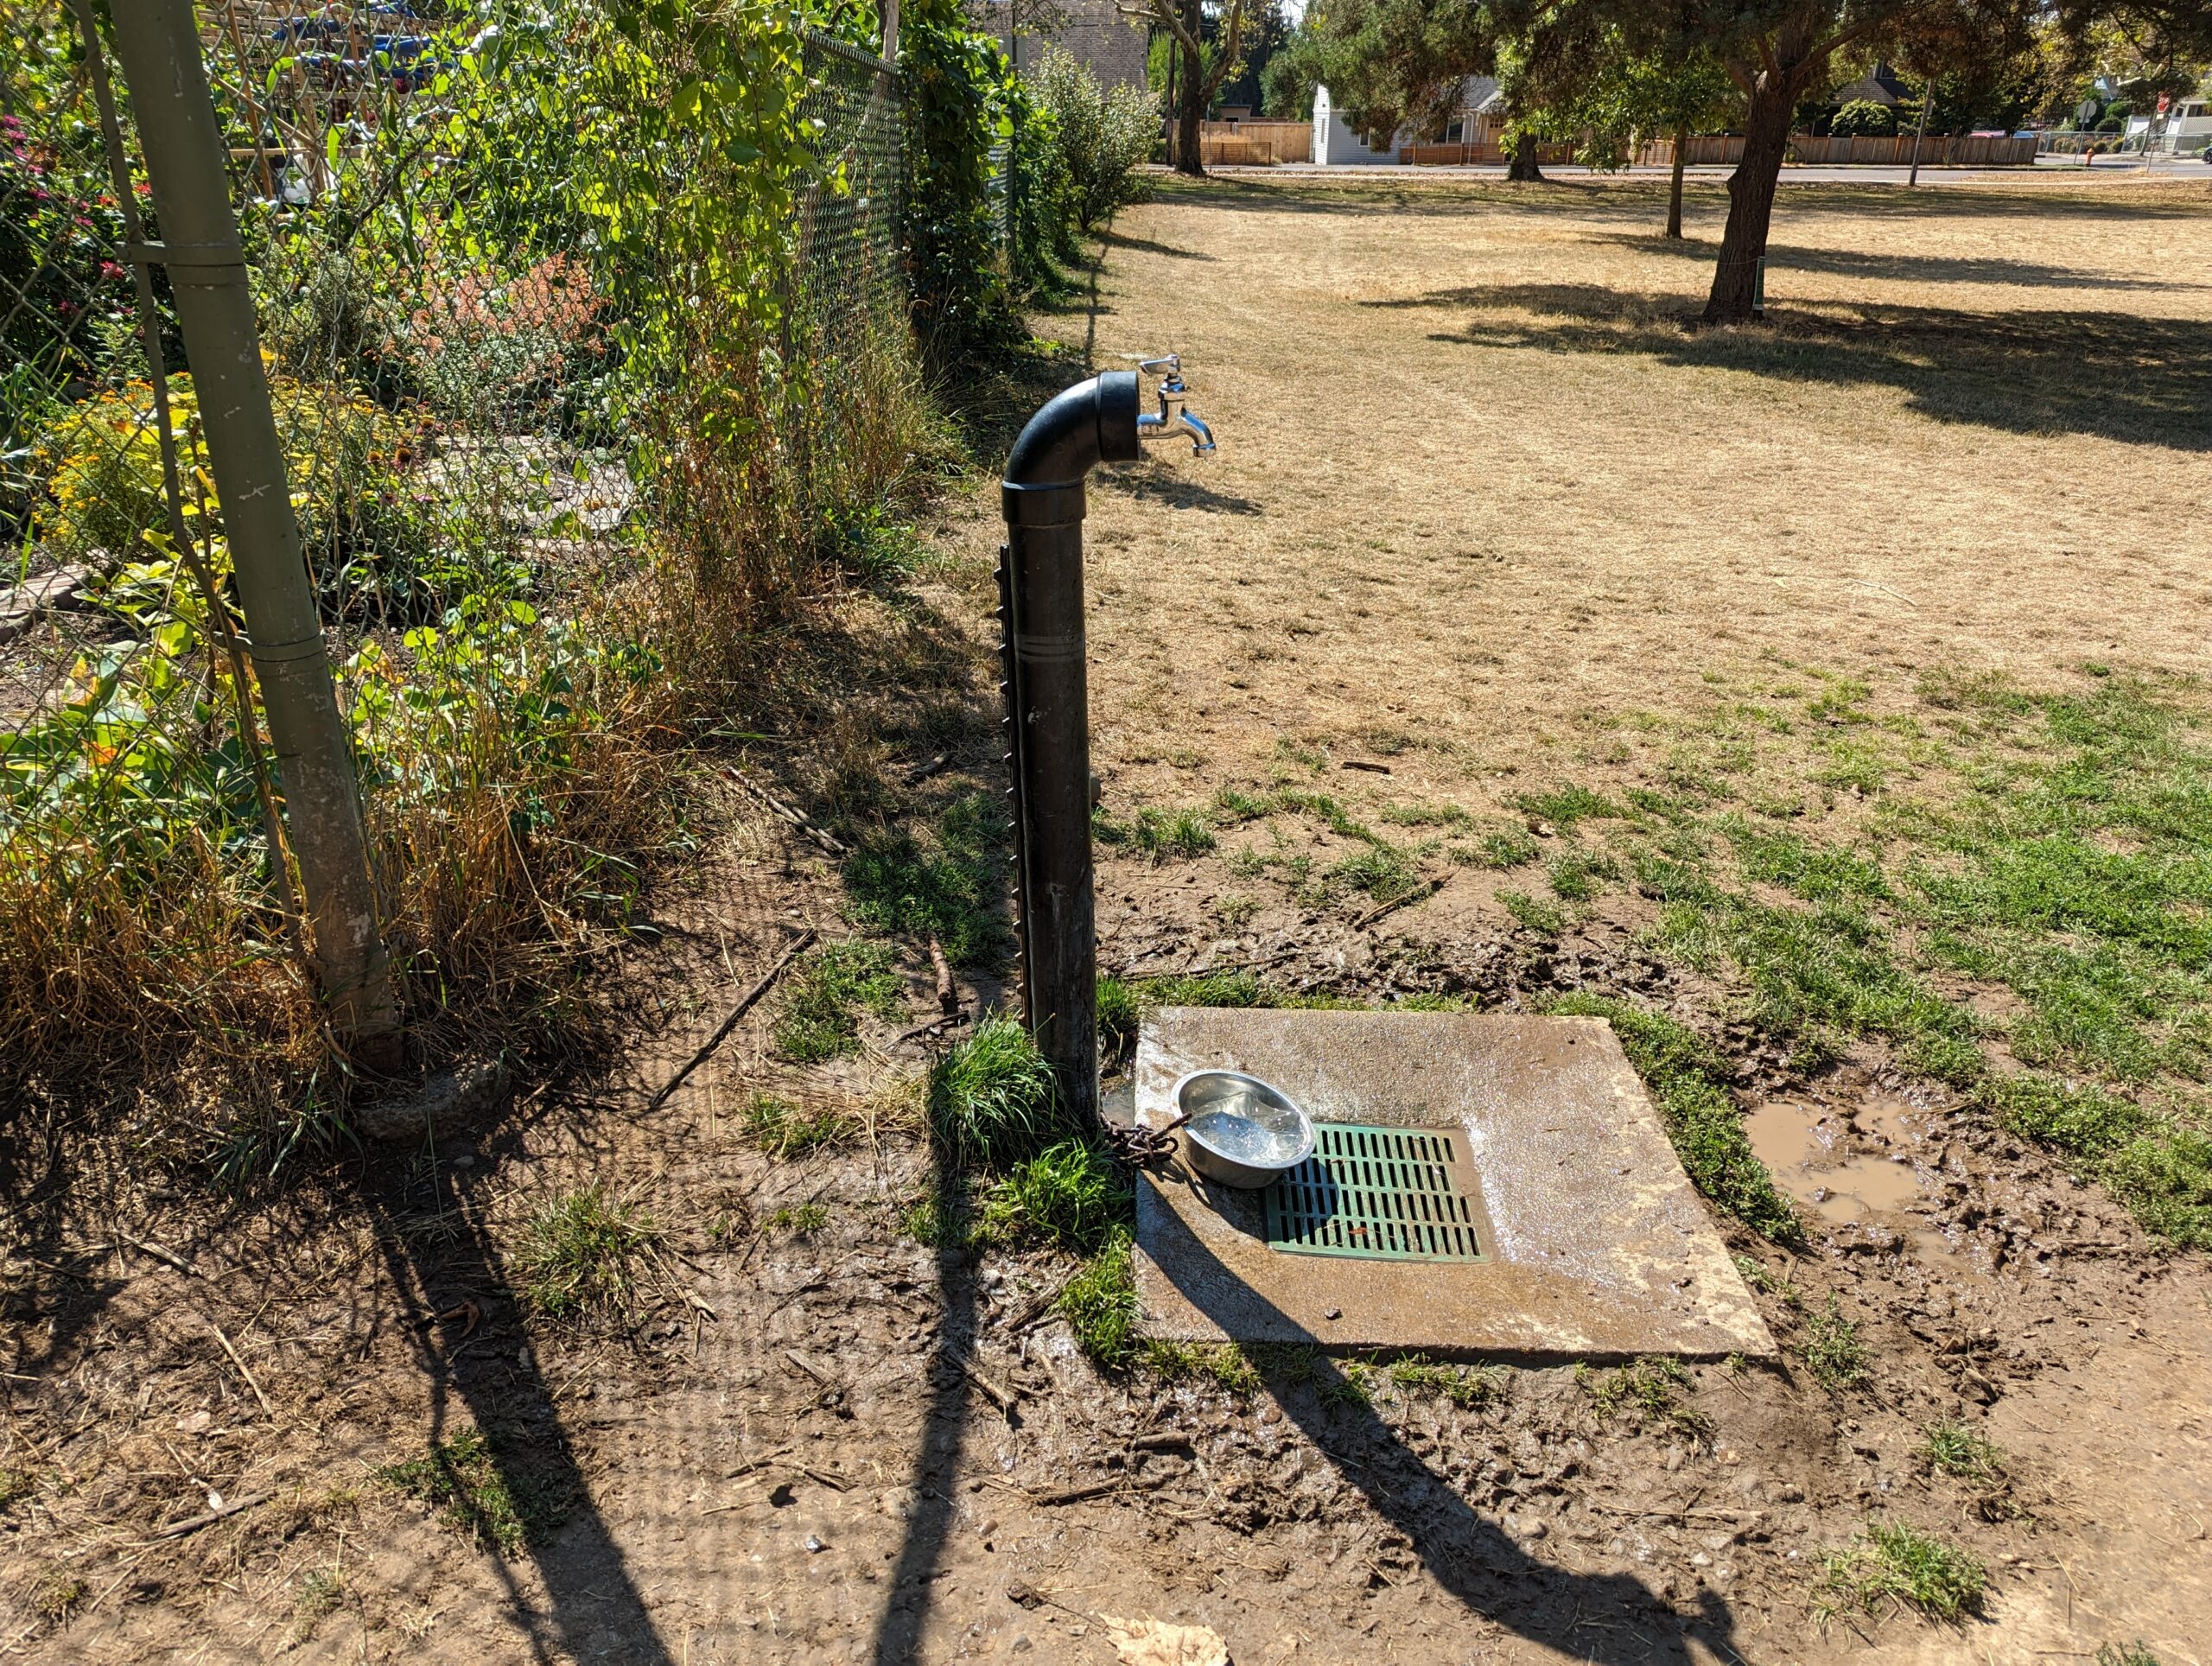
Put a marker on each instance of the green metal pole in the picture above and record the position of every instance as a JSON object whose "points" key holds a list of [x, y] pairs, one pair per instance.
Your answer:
{"points": [[157, 43]]}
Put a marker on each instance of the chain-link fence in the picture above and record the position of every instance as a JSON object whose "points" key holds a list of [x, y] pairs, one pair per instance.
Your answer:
{"points": [[451, 328], [849, 210]]}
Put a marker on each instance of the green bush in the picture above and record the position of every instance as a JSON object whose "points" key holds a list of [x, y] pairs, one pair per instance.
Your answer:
{"points": [[368, 529], [1863, 119], [951, 233], [1100, 134]]}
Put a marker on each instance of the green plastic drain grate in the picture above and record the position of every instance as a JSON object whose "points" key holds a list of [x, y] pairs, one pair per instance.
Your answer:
{"points": [[1387, 1193]]}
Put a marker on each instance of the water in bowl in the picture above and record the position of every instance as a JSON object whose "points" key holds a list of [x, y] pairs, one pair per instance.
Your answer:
{"points": [[1248, 1129]]}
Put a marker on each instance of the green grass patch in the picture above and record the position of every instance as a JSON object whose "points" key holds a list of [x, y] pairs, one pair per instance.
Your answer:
{"points": [[1574, 873], [1963, 1451], [1225, 1365], [1326, 810], [496, 1504], [947, 883], [1155, 834], [992, 1099], [1679, 1066], [801, 1220], [1565, 806], [786, 1130], [1502, 848], [1819, 974], [1123, 1003], [1382, 872], [1546, 919], [1067, 1196], [1890, 1563], [2160, 1169], [2136, 1653], [1834, 1353], [1777, 1285], [583, 1251], [828, 991], [1445, 815], [1100, 1304], [1466, 1386], [1643, 1388]]}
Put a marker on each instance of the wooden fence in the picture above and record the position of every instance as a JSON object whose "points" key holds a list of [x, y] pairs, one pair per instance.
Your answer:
{"points": [[1462, 155], [1936, 150], [1253, 143]]}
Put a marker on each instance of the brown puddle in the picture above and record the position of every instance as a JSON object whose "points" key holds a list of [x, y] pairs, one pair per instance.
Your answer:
{"points": [[1806, 1146]]}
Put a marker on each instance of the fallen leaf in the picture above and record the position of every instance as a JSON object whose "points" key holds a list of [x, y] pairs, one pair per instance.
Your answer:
{"points": [[1150, 1642]]}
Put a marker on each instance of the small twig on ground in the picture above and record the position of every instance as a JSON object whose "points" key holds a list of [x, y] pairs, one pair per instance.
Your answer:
{"points": [[743, 1007], [192, 1524], [1362, 764], [935, 1027], [948, 992], [159, 1254], [240, 1363], [810, 1367], [1076, 1495], [1035, 1308], [785, 812], [998, 1396], [752, 1464], [1422, 893]]}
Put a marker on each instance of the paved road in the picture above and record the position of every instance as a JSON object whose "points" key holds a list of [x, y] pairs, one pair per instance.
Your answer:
{"points": [[2160, 167]]}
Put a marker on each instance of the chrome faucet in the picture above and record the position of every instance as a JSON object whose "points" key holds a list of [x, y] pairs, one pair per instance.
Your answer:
{"points": [[1172, 417]]}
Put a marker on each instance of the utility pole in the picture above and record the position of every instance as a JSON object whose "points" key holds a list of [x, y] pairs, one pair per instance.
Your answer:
{"points": [[157, 43]]}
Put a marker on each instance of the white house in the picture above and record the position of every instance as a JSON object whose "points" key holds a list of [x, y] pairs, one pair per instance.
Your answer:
{"points": [[1335, 144], [1478, 118]]}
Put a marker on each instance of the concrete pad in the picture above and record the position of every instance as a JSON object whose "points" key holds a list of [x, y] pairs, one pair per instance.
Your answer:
{"points": [[1595, 1245]]}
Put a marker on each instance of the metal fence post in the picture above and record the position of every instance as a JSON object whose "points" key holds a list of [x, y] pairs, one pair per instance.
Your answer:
{"points": [[157, 44]]}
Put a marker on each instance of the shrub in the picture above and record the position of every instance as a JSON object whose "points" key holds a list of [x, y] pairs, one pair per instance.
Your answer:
{"points": [[1100, 134], [1863, 119], [992, 1099], [368, 529]]}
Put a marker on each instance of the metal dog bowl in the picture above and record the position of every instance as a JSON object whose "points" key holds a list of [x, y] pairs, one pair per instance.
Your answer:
{"points": [[1240, 1130]]}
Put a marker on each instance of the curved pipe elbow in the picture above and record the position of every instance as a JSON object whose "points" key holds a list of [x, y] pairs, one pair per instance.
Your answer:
{"points": [[1092, 423]]}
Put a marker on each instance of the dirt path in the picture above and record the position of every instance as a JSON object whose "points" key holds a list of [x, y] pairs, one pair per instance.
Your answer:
{"points": [[1464, 530]]}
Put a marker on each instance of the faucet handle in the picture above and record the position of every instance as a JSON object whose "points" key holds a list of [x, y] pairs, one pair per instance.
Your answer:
{"points": [[1172, 363]]}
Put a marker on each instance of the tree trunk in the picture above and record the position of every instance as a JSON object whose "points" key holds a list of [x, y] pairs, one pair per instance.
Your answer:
{"points": [[1750, 200], [1189, 156], [1523, 165], [1675, 192]]}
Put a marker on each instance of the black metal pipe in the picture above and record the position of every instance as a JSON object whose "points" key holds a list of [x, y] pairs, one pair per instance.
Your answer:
{"points": [[1048, 718]]}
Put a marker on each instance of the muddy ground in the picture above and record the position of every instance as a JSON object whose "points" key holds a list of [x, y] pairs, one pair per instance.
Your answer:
{"points": [[1435, 546]]}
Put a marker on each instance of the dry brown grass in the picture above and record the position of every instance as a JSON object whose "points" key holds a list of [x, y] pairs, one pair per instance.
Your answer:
{"points": [[1478, 481]]}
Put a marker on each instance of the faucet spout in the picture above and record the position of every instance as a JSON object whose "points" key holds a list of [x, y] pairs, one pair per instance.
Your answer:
{"points": [[1201, 436]]}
